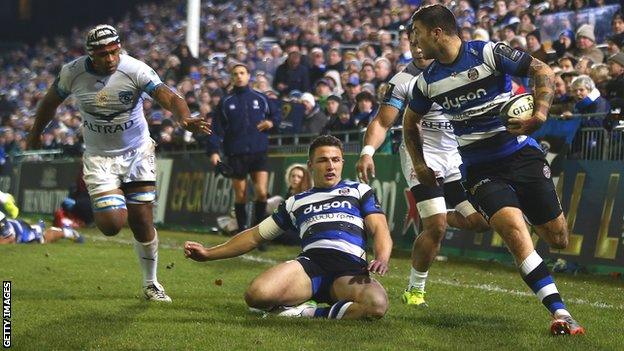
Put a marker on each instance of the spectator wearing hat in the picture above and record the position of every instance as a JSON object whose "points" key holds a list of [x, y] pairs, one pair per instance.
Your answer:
{"points": [[333, 77], [314, 119], [566, 45], [292, 74], [586, 44], [317, 67], [534, 46], [615, 87], [352, 89], [615, 43], [322, 89], [338, 115], [365, 109]]}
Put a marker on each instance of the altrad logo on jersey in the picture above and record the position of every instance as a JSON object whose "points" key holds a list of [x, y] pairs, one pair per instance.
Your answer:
{"points": [[460, 100], [108, 129]]}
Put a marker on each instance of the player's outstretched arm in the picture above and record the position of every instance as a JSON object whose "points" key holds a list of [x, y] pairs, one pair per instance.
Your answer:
{"points": [[543, 78], [377, 225], [45, 112], [375, 136], [412, 132], [239, 244], [173, 102]]}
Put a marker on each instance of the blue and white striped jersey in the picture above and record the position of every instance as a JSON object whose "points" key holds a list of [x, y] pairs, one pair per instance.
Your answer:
{"points": [[330, 218], [471, 91]]}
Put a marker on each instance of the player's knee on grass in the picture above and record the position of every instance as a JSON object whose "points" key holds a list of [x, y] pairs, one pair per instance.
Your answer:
{"points": [[259, 296], [376, 305]]}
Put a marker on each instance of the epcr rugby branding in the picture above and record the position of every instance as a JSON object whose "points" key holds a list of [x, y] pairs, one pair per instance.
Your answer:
{"points": [[327, 206]]}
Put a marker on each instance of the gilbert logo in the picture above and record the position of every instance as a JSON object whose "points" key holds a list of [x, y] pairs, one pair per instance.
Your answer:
{"points": [[462, 99], [327, 206]]}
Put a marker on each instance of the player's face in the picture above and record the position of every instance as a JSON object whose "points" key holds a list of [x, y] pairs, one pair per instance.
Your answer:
{"points": [[105, 61], [326, 166], [240, 76], [421, 37]]}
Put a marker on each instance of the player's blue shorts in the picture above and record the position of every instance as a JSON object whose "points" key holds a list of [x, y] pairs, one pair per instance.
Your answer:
{"points": [[323, 266]]}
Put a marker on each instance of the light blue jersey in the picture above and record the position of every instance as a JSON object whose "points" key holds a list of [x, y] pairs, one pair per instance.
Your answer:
{"points": [[471, 92]]}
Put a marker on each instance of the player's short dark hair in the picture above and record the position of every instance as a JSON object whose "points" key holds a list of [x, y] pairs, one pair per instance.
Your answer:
{"points": [[324, 140], [436, 16]]}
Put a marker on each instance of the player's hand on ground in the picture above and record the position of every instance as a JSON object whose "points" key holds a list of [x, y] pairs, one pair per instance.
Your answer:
{"points": [[195, 251], [196, 126], [364, 166], [426, 176], [523, 126], [378, 266], [214, 159], [264, 125]]}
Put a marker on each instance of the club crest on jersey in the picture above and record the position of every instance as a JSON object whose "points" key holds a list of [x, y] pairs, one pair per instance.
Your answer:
{"points": [[256, 105], [473, 74], [546, 171], [343, 191], [101, 98], [125, 97]]}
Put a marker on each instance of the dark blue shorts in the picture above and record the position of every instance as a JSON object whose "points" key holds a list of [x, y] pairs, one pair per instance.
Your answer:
{"points": [[323, 266], [244, 164]]}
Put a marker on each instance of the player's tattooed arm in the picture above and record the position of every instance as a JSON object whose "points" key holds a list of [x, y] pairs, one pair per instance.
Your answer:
{"points": [[412, 132], [544, 88]]}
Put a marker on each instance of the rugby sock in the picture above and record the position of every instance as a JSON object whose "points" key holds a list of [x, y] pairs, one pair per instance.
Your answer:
{"points": [[535, 274], [335, 311], [417, 279], [148, 259], [260, 210], [69, 233], [241, 216]]}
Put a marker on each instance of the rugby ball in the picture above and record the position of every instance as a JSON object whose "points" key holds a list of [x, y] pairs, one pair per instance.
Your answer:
{"points": [[519, 106]]}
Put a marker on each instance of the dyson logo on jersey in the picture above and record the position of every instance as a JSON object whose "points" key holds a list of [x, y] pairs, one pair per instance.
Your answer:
{"points": [[462, 99], [108, 129], [323, 207]]}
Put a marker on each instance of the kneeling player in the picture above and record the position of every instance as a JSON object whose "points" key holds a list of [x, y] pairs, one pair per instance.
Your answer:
{"points": [[332, 219]]}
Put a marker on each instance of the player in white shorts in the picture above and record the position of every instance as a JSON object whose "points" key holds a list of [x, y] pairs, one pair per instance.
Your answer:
{"points": [[440, 151], [119, 164]]}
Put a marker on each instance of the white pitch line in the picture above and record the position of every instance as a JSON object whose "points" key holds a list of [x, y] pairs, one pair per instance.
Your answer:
{"points": [[484, 287]]}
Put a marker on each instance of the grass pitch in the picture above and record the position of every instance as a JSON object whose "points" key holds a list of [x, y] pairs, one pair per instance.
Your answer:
{"points": [[67, 296]]}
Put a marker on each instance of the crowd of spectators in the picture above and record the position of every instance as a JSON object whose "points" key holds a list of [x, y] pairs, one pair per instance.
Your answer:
{"points": [[328, 62]]}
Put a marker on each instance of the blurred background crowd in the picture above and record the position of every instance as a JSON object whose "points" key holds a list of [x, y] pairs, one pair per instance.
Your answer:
{"points": [[326, 62]]}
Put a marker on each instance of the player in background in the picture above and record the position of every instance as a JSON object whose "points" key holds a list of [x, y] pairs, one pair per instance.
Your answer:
{"points": [[332, 219], [440, 150], [119, 160], [506, 173]]}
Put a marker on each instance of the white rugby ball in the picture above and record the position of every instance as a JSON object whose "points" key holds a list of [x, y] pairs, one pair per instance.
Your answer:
{"points": [[519, 106]]}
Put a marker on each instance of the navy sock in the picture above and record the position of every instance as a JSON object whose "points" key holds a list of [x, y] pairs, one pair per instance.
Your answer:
{"points": [[241, 216]]}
